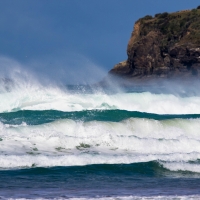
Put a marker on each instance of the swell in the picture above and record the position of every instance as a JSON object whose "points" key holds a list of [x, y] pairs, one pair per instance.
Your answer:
{"points": [[151, 168], [143, 180], [146, 169], [30, 117]]}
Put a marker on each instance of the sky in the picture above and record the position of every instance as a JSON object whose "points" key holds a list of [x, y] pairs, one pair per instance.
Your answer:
{"points": [[72, 41]]}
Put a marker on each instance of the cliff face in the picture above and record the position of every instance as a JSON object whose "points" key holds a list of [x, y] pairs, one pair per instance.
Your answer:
{"points": [[167, 45]]}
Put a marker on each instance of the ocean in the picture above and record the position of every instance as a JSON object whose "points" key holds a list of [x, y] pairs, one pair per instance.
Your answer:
{"points": [[82, 143]]}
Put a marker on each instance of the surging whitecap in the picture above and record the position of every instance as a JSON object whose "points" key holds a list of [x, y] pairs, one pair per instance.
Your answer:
{"points": [[53, 98], [182, 166], [167, 136], [67, 142]]}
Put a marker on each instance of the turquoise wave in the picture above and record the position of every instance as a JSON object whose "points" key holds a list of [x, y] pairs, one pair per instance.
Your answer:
{"points": [[39, 117]]}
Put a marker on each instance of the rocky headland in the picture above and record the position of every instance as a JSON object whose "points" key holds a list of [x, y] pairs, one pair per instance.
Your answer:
{"points": [[165, 46]]}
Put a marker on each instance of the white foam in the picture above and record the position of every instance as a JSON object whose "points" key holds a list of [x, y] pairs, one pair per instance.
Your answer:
{"points": [[138, 135], [141, 198], [182, 166], [170, 197], [37, 97], [67, 142], [27, 161]]}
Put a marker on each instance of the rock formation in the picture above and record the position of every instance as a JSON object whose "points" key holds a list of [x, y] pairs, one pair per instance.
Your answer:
{"points": [[167, 45]]}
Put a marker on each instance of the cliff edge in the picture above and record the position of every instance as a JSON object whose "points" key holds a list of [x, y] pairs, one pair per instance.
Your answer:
{"points": [[166, 45]]}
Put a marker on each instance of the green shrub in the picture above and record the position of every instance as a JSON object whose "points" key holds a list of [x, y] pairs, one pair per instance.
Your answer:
{"points": [[148, 17], [194, 10], [198, 7], [157, 15], [196, 25], [182, 23], [164, 15]]}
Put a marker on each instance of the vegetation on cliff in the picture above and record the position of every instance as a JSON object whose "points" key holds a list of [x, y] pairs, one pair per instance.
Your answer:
{"points": [[181, 27]]}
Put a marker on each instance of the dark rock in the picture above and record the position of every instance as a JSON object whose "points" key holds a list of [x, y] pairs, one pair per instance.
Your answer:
{"points": [[167, 45]]}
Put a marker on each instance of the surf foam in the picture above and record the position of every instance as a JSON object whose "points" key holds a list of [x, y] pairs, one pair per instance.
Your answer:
{"points": [[53, 98], [68, 142]]}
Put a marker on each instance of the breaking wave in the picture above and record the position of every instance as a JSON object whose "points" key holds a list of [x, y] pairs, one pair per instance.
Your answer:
{"points": [[172, 142], [52, 98]]}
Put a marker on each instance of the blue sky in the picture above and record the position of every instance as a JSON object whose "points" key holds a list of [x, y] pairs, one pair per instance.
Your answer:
{"points": [[72, 40]]}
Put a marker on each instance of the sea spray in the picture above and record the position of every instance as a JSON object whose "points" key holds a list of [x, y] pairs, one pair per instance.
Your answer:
{"points": [[40, 98]]}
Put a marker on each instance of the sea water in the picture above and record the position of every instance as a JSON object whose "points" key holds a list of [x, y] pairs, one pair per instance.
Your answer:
{"points": [[69, 143]]}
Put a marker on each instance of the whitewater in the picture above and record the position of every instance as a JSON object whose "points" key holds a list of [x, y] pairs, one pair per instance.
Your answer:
{"points": [[30, 97], [68, 143]]}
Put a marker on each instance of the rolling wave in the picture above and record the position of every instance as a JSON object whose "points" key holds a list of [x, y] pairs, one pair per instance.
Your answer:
{"points": [[43, 98], [30, 117], [172, 142], [149, 169], [49, 127]]}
